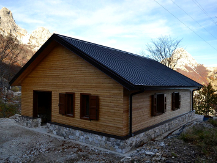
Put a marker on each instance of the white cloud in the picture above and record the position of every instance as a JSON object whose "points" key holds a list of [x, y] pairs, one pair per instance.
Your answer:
{"points": [[26, 19], [210, 65], [126, 24]]}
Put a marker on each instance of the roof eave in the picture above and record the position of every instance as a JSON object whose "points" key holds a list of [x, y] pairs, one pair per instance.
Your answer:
{"points": [[171, 87]]}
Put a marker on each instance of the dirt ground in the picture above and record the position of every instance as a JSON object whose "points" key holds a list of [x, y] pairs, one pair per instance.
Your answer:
{"points": [[21, 144]]}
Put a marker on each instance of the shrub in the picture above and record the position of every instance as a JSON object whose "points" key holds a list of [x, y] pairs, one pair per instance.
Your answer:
{"points": [[8, 109], [15, 88]]}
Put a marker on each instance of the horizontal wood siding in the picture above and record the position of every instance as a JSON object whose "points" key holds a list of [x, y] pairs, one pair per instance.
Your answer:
{"points": [[44, 53], [126, 106], [62, 71], [142, 108]]}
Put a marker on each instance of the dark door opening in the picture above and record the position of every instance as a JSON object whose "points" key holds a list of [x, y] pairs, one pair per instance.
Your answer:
{"points": [[42, 105]]}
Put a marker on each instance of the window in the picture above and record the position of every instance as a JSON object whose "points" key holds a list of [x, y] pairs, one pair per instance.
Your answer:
{"points": [[176, 100], [66, 104], [158, 104], [85, 105], [89, 106]]}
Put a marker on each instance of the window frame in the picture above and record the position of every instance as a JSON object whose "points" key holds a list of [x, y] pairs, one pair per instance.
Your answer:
{"points": [[176, 101], [82, 111], [72, 100], [64, 107], [93, 107], [155, 110]]}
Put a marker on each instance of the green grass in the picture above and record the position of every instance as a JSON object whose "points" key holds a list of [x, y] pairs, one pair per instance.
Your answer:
{"points": [[213, 122], [173, 154], [205, 138]]}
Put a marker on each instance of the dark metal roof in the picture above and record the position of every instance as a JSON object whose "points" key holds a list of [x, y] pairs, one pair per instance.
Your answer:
{"points": [[136, 69], [131, 70]]}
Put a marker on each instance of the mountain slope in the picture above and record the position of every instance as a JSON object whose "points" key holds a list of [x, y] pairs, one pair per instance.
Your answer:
{"points": [[8, 26], [189, 67], [212, 76]]}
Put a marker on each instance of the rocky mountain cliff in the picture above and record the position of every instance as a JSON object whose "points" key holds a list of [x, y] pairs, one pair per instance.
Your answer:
{"points": [[8, 26], [37, 38], [185, 59], [186, 65], [189, 67]]}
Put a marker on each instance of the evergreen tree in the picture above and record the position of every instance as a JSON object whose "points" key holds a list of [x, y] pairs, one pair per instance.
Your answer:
{"points": [[205, 100]]}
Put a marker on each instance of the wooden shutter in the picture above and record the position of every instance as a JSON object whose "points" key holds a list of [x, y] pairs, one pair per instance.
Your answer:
{"points": [[94, 108], [154, 105], [173, 101], [165, 103], [35, 104], [81, 106], [62, 103]]}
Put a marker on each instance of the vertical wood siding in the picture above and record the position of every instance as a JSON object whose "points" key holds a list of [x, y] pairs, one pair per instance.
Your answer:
{"points": [[62, 71]]}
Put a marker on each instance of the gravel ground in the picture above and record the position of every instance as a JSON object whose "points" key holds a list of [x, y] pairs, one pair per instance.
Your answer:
{"points": [[21, 144]]}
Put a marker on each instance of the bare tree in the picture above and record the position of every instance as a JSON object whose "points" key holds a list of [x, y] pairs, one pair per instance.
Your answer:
{"points": [[10, 50], [162, 50]]}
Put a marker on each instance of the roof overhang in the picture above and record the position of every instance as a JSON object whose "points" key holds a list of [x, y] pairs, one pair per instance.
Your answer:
{"points": [[170, 87]]}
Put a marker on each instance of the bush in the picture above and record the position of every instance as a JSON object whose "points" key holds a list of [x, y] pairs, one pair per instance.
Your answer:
{"points": [[15, 88], [8, 109]]}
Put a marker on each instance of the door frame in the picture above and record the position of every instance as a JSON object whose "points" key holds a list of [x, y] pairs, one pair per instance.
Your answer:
{"points": [[35, 102]]}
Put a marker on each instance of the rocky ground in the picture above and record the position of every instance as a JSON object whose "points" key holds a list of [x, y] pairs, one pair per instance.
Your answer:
{"points": [[21, 144]]}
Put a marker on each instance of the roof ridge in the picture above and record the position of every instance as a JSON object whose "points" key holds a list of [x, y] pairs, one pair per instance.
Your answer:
{"points": [[129, 69], [107, 47], [136, 65]]}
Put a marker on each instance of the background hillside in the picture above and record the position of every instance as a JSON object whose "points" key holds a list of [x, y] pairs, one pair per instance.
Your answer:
{"points": [[189, 67], [16, 45], [8, 26]]}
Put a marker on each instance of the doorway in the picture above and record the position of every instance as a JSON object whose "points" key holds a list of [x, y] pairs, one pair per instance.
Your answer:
{"points": [[42, 105]]}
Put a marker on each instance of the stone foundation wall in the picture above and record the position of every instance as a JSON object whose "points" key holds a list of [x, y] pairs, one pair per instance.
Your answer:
{"points": [[27, 121], [121, 146]]}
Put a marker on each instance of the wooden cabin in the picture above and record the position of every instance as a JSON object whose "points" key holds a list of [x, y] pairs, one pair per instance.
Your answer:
{"points": [[100, 89]]}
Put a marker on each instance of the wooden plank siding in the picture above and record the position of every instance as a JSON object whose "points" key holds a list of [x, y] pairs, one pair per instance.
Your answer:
{"points": [[62, 71], [35, 63], [142, 108]]}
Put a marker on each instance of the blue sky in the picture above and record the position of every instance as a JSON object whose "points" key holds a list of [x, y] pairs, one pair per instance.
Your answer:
{"points": [[127, 25]]}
